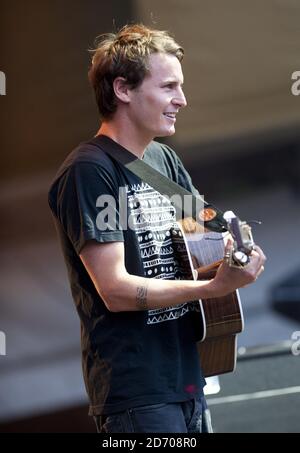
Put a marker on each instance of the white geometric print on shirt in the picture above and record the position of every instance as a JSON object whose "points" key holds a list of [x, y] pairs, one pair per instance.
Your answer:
{"points": [[154, 220]]}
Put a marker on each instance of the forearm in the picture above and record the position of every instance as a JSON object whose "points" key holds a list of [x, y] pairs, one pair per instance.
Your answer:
{"points": [[121, 291], [138, 293]]}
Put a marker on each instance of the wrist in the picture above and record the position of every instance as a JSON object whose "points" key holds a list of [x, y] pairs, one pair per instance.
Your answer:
{"points": [[215, 288], [207, 289]]}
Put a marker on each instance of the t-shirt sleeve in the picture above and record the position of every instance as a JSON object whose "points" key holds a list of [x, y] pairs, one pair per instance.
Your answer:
{"points": [[86, 204]]}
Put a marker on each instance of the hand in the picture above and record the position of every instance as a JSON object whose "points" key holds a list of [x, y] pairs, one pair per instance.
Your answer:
{"points": [[228, 278]]}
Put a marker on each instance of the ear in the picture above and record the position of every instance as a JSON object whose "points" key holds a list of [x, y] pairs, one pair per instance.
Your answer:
{"points": [[121, 89]]}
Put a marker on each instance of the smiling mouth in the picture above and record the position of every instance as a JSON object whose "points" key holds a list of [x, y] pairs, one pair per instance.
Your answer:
{"points": [[170, 115]]}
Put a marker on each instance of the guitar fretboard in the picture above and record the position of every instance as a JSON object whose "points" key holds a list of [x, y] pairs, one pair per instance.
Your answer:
{"points": [[205, 248]]}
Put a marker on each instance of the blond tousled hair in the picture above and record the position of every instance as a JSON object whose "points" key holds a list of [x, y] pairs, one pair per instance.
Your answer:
{"points": [[126, 54]]}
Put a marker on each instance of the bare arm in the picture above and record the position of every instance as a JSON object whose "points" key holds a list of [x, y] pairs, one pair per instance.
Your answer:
{"points": [[122, 291]]}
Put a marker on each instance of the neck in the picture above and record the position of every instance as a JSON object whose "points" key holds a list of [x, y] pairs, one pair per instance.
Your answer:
{"points": [[126, 136]]}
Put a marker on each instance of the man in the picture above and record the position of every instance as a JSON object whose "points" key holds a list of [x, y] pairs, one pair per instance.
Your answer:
{"points": [[139, 355]]}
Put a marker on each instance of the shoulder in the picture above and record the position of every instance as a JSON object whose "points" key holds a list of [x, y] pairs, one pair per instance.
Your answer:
{"points": [[85, 155], [85, 164], [86, 160]]}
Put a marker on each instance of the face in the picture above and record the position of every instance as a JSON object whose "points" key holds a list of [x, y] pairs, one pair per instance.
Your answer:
{"points": [[155, 103]]}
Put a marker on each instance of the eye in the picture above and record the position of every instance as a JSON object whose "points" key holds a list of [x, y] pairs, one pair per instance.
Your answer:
{"points": [[169, 85]]}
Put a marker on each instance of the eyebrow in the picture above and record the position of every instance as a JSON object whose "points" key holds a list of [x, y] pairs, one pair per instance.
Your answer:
{"points": [[165, 82]]}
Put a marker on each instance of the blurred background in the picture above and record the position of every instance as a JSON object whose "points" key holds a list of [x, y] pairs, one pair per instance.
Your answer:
{"points": [[240, 140]]}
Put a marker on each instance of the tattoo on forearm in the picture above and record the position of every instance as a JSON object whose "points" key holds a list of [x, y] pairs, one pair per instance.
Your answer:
{"points": [[141, 297]]}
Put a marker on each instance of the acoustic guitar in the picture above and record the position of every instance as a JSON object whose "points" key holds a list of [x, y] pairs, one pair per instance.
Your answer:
{"points": [[200, 253]]}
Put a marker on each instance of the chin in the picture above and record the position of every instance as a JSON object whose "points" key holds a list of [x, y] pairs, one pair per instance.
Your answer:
{"points": [[166, 133]]}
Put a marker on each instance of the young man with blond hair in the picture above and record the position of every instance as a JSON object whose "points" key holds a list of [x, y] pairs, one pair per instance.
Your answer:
{"points": [[138, 337]]}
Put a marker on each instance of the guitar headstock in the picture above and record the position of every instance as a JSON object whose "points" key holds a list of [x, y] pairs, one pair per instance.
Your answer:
{"points": [[241, 233]]}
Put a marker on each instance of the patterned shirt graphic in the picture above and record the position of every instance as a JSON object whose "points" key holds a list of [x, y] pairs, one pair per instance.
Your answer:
{"points": [[154, 220]]}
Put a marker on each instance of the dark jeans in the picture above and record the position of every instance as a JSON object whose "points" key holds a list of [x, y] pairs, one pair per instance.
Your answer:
{"points": [[190, 416]]}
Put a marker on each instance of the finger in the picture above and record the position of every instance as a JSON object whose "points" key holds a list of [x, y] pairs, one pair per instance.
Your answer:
{"points": [[228, 245], [260, 252], [260, 272], [258, 257], [228, 250]]}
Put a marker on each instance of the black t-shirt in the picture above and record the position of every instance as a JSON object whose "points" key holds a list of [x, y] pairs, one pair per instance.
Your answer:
{"points": [[138, 357]]}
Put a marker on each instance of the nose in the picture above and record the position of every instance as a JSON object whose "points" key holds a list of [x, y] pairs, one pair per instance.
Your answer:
{"points": [[180, 99]]}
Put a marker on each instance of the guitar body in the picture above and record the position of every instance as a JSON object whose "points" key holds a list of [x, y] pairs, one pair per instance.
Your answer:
{"points": [[200, 253]]}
